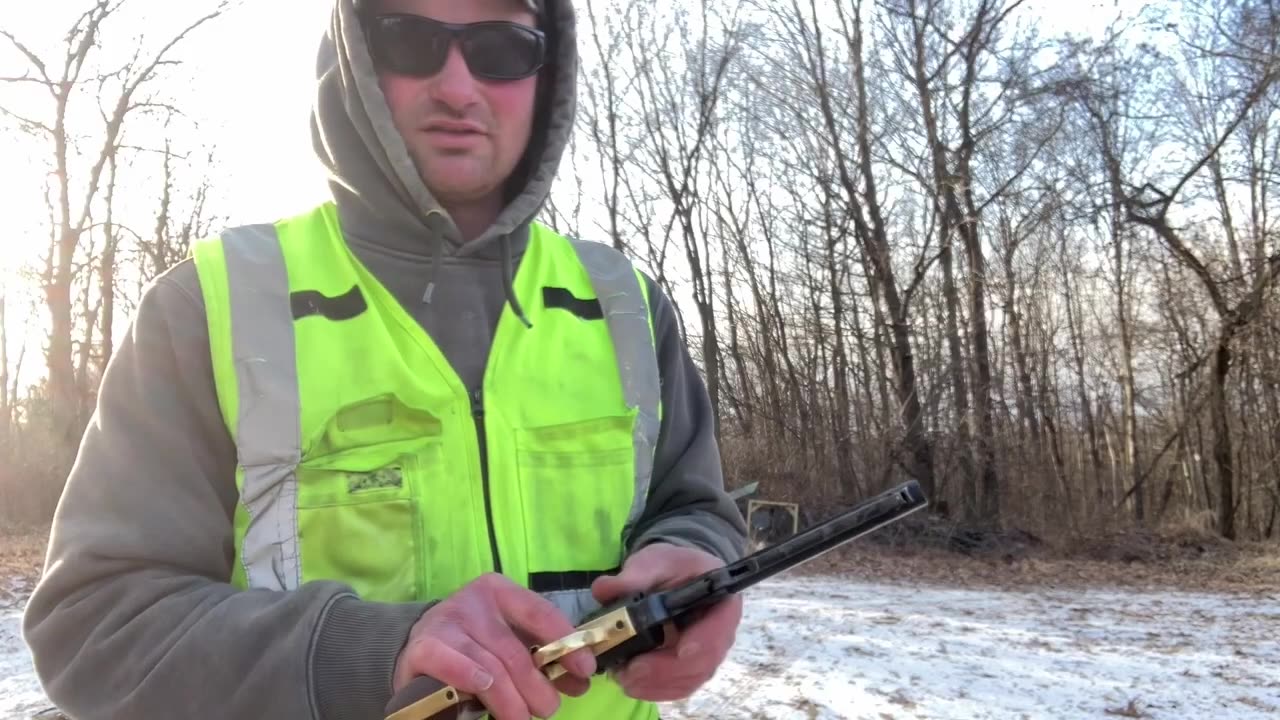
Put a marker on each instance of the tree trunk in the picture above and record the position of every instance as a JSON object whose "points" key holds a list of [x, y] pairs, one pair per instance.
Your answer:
{"points": [[967, 224], [876, 243], [744, 385], [1024, 394], [1222, 458], [956, 368], [1075, 330], [842, 436]]}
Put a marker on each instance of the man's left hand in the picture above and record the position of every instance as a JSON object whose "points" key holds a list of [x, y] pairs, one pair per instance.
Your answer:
{"points": [[676, 670]]}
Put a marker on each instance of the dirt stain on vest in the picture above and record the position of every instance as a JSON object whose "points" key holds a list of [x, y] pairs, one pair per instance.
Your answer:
{"points": [[433, 547], [604, 528]]}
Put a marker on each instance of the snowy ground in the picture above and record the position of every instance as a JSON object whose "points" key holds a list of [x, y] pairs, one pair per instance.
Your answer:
{"points": [[825, 649], [20, 695]]}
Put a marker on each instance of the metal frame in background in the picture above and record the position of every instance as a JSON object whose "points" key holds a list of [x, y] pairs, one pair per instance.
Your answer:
{"points": [[794, 508]]}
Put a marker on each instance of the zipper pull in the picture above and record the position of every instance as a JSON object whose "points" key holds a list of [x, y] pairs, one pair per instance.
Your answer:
{"points": [[477, 403]]}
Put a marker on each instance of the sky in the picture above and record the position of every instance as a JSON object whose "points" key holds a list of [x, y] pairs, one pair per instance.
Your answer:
{"points": [[246, 86]]}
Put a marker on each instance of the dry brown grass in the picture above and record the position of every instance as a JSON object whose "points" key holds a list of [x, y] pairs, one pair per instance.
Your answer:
{"points": [[21, 560], [1152, 560], [22, 551]]}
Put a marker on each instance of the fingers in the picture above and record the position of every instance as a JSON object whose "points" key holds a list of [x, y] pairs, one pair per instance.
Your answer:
{"points": [[541, 621], [676, 672], [478, 641], [660, 676], [581, 663], [572, 685], [501, 697], [465, 664], [529, 611], [608, 588], [432, 656], [641, 573], [539, 694], [656, 566], [709, 639]]}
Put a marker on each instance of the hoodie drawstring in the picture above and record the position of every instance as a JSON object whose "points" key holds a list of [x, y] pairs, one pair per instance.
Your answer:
{"points": [[508, 277], [508, 281], [437, 252]]}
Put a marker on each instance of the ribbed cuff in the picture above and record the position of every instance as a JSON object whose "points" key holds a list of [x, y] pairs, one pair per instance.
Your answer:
{"points": [[355, 656]]}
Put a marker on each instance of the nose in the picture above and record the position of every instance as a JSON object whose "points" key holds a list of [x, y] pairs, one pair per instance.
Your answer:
{"points": [[454, 86]]}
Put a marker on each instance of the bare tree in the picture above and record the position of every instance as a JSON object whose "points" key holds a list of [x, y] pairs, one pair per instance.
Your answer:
{"points": [[1247, 37], [680, 109], [76, 191]]}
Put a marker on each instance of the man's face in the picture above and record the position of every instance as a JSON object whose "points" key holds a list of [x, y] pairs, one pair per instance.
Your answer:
{"points": [[466, 133]]}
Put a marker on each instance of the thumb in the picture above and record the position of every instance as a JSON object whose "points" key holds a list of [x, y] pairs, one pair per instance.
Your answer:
{"points": [[607, 588], [639, 574]]}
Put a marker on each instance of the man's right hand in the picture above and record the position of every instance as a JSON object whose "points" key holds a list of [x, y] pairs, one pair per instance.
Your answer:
{"points": [[478, 640]]}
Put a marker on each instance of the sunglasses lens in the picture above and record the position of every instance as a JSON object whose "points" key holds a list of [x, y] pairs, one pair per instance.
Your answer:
{"points": [[502, 50], [418, 46], [408, 46]]}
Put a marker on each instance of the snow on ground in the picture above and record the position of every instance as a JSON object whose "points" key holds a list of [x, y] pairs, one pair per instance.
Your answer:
{"points": [[20, 695], [828, 649], [822, 648]]}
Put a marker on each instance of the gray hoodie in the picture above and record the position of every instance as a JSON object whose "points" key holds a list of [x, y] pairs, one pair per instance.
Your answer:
{"points": [[134, 616]]}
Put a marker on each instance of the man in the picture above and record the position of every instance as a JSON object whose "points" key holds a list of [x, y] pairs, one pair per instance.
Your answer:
{"points": [[410, 432]]}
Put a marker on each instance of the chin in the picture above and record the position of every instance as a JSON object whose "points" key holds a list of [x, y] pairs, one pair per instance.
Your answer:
{"points": [[459, 177], [451, 191]]}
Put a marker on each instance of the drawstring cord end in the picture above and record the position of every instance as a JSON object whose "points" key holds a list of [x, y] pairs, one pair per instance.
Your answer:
{"points": [[437, 258], [508, 284]]}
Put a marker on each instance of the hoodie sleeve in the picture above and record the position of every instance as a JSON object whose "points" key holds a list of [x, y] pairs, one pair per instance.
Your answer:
{"points": [[687, 504], [133, 616]]}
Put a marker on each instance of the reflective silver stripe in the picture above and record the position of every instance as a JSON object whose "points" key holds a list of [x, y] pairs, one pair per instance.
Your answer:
{"points": [[267, 431], [627, 313], [575, 604]]}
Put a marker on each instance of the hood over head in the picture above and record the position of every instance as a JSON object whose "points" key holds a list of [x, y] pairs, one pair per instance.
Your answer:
{"points": [[371, 174]]}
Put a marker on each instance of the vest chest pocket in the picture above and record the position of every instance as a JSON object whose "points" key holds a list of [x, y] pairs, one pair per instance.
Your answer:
{"points": [[577, 481], [358, 517]]}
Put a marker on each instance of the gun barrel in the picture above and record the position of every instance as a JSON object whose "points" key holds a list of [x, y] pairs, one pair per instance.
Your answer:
{"points": [[865, 517]]}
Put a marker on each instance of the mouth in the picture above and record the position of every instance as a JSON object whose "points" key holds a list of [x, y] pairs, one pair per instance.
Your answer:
{"points": [[447, 128]]}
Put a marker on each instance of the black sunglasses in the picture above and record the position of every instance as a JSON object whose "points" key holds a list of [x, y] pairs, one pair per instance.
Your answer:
{"points": [[414, 45]]}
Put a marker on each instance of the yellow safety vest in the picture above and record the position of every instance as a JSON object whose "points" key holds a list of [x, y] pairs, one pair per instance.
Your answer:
{"points": [[364, 459]]}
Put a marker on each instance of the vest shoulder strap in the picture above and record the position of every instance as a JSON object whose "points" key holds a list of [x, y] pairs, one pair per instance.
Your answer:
{"points": [[256, 353], [624, 299]]}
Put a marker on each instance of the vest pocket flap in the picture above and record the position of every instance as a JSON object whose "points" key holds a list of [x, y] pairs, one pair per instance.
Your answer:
{"points": [[384, 420], [371, 457], [592, 441], [367, 473], [366, 448]]}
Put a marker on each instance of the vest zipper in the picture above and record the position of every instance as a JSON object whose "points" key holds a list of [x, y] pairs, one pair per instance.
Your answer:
{"points": [[477, 414]]}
